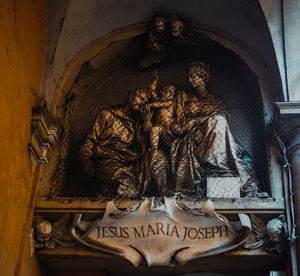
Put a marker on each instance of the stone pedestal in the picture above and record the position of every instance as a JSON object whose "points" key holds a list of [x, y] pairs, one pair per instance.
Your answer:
{"points": [[223, 187]]}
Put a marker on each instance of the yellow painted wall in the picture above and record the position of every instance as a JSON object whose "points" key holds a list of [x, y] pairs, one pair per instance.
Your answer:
{"points": [[22, 53], [77, 274], [29, 266]]}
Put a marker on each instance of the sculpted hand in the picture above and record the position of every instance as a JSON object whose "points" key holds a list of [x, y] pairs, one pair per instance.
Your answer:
{"points": [[147, 112]]}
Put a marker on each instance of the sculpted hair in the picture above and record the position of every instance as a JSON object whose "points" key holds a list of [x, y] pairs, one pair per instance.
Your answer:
{"points": [[167, 87], [136, 91]]}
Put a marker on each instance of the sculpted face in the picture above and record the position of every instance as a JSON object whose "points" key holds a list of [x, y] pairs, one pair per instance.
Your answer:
{"points": [[176, 28], [138, 99], [198, 75], [195, 79], [274, 228], [159, 24], [168, 92]]}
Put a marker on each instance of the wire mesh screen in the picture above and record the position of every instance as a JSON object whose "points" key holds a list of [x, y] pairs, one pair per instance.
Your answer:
{"points": [[108, 85]]}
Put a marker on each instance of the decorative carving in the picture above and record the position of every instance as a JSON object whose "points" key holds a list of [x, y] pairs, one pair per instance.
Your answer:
{"points": [[44, 135], [156, 42], [165, 34], [43, 229], [171, 138], [46, 234], [207, 148], [114, 150], [161, 232], [272, 236], [194, 233]]}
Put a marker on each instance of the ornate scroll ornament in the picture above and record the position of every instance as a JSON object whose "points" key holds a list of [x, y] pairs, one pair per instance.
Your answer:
{"points": [[160, 232]]}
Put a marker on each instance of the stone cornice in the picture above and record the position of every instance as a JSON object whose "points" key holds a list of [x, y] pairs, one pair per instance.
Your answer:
{"points": [[44, 135], [288, 108]]}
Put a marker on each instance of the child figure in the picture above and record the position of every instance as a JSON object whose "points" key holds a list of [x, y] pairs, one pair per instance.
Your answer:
{"points": [[165, 121]]}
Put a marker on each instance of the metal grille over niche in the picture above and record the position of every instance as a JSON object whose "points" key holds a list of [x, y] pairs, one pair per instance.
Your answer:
{"points": [[108, 85]]}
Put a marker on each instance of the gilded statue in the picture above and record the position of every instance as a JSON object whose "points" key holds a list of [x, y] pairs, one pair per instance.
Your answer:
{"points": [[113, 151], [171, 139], [207, 147], [165, 123]]}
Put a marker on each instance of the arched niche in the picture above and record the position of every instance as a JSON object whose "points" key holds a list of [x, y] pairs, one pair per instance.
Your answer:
{"points": [[100, 46], [91, 78]]}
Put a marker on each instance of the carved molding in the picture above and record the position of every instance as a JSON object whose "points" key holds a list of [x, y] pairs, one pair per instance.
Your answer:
{"points": [[44, 135], [161, 232], [180, 232], [286, 108], [153, 222]]}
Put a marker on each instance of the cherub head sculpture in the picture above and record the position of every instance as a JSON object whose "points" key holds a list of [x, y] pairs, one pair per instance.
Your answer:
{"points": [[168, 92], [159, 23], [176, 26]]}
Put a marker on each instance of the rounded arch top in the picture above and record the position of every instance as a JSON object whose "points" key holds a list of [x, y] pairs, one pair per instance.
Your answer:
{"points": [[105, 47], [86, 23]]}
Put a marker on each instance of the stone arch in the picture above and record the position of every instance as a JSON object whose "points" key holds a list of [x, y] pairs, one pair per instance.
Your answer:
{"points": [[270, 93], [103, 48]]}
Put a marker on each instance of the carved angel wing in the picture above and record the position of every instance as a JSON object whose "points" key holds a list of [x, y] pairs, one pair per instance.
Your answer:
{"points": [[258, 227]]}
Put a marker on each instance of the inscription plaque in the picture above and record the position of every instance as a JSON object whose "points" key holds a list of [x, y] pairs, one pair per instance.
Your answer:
{"points": [[161, 232]]}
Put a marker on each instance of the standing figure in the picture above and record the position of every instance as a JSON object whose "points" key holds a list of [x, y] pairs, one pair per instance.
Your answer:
{"points": [[165, 124]]}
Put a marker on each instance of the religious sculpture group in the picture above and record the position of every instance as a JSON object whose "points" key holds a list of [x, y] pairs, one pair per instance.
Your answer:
{"points": [[168, 143], [171, 139]]}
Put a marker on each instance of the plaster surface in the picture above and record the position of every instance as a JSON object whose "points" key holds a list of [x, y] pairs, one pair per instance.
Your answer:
{"points": [[22, 49], [56, 12], [291, 10], [273, 13]]}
